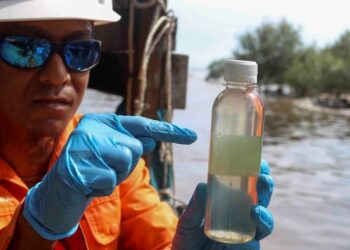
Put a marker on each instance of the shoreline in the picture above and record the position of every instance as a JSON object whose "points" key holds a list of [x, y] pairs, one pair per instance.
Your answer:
{"points": [[307, 104]]}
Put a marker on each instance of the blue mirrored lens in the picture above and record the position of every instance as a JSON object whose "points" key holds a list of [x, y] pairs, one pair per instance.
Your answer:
{"points": [[24, 52], [82, 55]]}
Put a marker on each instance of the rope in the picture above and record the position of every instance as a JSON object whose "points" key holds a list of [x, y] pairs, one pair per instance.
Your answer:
{"points": [[168, 67], [151, 43], [166, 150], [136, 4], [130, 57]]}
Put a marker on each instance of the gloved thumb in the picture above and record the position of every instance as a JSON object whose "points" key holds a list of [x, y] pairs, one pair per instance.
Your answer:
{"points": [[193, 216]]}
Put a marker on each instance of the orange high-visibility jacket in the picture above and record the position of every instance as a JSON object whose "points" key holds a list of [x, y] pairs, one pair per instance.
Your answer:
{"points": [[132, 217]]}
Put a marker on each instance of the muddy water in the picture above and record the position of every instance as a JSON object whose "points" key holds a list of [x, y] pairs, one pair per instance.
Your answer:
{"points": [[309, 154]]}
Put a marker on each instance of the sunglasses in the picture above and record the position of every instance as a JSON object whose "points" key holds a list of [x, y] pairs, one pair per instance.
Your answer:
{"points": [[29, 52]]}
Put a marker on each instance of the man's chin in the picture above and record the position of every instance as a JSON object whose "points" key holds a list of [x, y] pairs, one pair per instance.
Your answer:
{"points": [[48, 128]]}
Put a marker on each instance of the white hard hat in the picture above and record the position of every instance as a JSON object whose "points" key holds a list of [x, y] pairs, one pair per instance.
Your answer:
{"points": [[98, 11]]}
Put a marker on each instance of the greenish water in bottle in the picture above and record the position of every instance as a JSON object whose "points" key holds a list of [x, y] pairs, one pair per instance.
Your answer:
{"points": [[235, 155]]}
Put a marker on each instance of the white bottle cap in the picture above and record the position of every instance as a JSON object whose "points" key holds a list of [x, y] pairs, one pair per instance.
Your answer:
{"points": [[241, 71]]}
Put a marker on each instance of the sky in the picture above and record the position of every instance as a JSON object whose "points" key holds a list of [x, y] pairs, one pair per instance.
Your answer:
{"points": [[209, 29]]}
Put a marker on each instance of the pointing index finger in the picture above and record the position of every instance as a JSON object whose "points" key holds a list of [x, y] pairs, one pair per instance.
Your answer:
{"points": [[160, 131], [163, 131]]}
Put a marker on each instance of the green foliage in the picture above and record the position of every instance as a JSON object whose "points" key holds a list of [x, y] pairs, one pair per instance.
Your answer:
{"points": [[273, 47], [282, 58], [326, 70], [317, 71], [339, 81], [216, 69], [341, 47], [304, 73], [335, 77]]}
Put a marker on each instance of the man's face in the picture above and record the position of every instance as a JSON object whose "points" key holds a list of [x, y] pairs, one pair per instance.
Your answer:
{"points": [[42, 100]]}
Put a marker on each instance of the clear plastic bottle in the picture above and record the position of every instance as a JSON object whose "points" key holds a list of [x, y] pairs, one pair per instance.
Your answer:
{"points": [[235, 155]]}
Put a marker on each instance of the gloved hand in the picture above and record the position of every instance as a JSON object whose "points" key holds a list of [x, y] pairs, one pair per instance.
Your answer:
{"points": [[100, 153], [190, 230]]}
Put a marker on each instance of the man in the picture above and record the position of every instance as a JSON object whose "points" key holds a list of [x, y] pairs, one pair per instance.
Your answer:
{"points": [[72, 182]]}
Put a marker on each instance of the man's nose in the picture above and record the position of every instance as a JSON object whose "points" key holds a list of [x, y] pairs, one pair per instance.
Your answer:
{"points": [[55, 72]]}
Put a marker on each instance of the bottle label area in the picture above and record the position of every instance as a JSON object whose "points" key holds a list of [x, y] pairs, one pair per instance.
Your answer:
{"points": [[235, 155]]}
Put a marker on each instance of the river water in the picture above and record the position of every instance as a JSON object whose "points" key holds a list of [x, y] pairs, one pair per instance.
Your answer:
{"points": [[309, 155]]}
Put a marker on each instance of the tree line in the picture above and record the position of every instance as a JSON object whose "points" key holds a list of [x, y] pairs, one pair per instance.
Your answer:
{"points": [[283, 58]]}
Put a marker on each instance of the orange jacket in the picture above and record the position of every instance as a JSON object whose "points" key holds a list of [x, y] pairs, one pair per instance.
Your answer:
{"points": [[132, 217]]}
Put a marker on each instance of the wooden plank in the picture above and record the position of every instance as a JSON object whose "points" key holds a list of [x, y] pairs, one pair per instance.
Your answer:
{"points": [[179, 80]]}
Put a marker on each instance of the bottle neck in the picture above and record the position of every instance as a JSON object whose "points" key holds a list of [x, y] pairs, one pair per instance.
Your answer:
{"points": [[241, 85]]}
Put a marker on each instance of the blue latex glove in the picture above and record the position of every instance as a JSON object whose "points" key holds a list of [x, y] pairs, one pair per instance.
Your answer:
{"points": [[190, 230], [100, 153]]}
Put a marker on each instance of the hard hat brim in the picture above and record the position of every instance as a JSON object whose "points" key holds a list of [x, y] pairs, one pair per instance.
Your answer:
{"points": [[31, 10]]}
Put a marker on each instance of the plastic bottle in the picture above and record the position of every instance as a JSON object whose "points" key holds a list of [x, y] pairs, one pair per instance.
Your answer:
{"points": [[235, 155]]}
